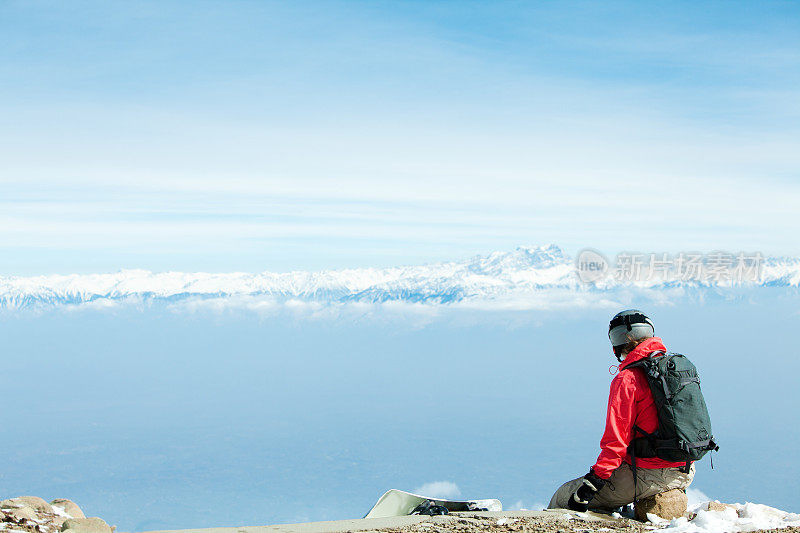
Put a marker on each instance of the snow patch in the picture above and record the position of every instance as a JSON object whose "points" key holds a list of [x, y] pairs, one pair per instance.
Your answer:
{"points": [[60, 511]]}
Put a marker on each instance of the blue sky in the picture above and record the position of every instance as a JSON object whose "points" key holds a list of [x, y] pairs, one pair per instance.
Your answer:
{"points": [[251, 136], [306, 135]]}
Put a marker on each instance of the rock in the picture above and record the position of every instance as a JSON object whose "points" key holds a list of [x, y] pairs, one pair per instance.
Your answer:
{"points": [[716, 506], [11, 503], [667, 505], [69, 507], [18, 514], [86, 525], [35, 503]]}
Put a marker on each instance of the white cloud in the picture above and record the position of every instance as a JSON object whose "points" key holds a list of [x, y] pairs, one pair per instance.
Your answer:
{"points": [[446, 490], [519, 505], [438, 158], [696, 497]]}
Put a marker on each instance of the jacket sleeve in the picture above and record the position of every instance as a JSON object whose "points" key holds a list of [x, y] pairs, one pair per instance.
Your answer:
{"points": [[620, 418]]}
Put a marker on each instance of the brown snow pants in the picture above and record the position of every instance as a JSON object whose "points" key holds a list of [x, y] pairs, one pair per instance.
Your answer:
{"points": [[618, 490]]}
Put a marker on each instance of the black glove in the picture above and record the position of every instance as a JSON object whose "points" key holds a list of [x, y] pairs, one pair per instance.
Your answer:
{"points": [[579, 501]]}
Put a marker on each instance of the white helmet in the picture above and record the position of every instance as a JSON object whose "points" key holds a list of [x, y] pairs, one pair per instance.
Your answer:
{"points": [[627, 326]]}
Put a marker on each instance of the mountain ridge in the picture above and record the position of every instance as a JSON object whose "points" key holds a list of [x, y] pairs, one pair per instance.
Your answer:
{"points": [[526, 271]]}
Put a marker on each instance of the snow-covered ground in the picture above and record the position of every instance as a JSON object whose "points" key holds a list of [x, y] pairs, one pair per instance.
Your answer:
{"points": [[733, 518]]}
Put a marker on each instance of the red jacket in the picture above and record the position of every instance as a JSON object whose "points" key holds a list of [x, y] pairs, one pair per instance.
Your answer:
{"points": [[630, 401]]}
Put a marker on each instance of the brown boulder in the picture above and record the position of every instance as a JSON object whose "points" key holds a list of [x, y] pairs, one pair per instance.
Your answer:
{"points": [[667, 505], [69, 507], [86, 525], [716, 506], [20, 514]]}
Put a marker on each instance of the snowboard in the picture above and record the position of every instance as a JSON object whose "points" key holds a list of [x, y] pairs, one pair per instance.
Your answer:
{"points": [[400, 503]]}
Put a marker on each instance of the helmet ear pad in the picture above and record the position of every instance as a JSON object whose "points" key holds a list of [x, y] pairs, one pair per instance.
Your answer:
{"points": [[618, 352]]}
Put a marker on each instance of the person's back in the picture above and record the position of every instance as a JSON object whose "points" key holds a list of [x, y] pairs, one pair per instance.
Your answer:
{"points": [[610, 481]]}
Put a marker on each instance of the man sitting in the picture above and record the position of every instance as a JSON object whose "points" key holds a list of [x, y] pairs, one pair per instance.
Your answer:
{"points": [[610, 483]]}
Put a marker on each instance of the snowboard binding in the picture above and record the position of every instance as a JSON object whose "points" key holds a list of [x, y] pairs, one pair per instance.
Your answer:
{"points": [[430, 508]]}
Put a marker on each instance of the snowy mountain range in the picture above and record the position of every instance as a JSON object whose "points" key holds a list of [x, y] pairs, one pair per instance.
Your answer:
{"points": [[524, 276]]}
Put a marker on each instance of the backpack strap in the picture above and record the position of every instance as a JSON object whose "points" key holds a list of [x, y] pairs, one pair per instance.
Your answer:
{"points": [[649, 367], [646, 437]]}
